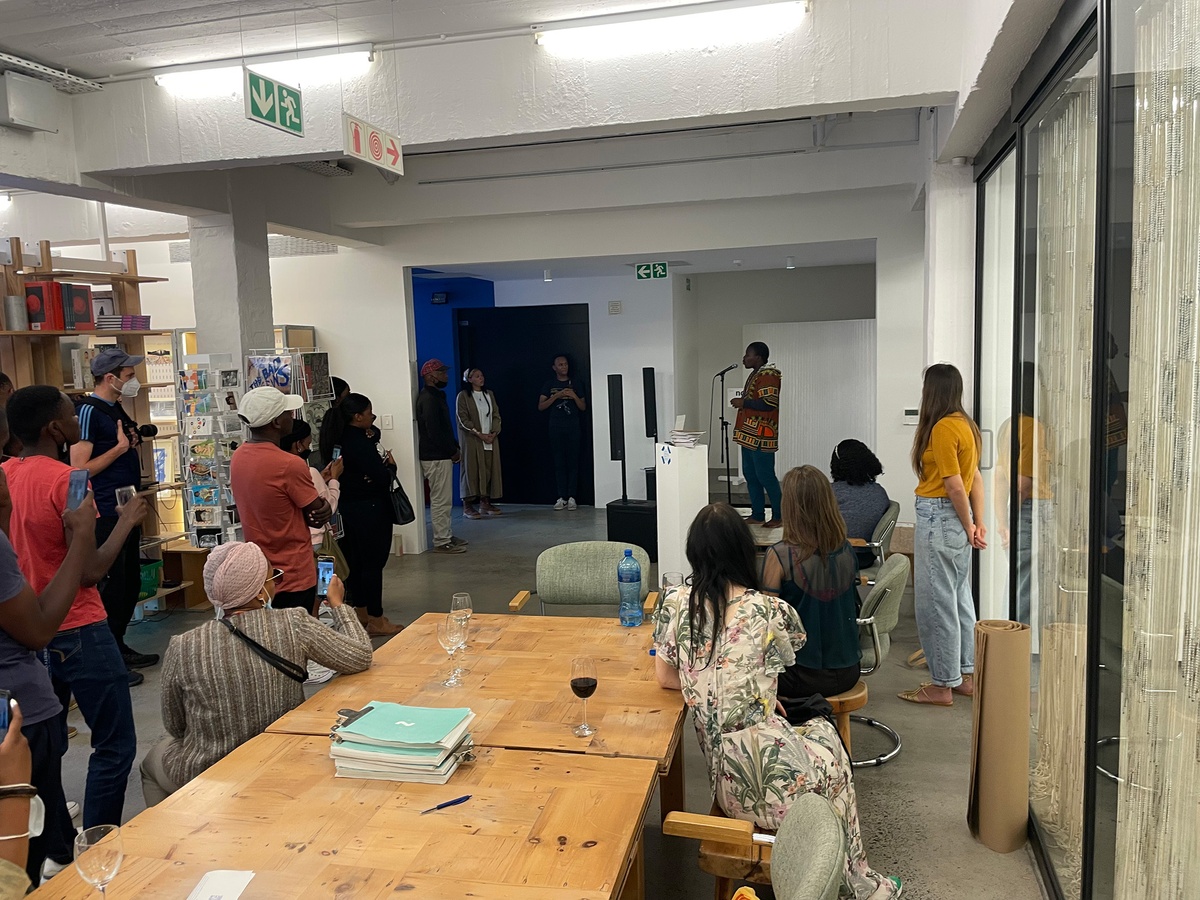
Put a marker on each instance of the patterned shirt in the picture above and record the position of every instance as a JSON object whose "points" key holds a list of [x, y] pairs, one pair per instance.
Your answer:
{"points": [[757, 426]]}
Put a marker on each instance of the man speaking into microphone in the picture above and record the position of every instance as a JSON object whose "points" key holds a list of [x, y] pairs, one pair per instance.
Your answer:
{"points": [[757, 432]]}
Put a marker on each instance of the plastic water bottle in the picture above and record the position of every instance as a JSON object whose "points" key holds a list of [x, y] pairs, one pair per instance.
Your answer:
{"points": [[629, 583]]}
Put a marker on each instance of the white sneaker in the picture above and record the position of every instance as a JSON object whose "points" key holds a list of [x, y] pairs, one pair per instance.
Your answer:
{"points": [[561, 504], [318, 674], [50, 868], [73, 809], [571, 504]]}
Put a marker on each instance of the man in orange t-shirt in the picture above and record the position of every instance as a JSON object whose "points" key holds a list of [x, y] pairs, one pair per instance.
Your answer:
{"points": [[275, 497]]}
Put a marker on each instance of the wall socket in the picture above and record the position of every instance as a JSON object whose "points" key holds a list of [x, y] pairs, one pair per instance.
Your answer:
{"points": [[387, 423]]}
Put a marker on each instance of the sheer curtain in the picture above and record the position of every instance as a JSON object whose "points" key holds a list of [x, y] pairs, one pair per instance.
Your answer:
{"points": [[1158, 821]]}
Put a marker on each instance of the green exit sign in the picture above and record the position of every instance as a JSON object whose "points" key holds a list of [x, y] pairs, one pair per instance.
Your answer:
{"points": [[271, 103], [646, 271]]}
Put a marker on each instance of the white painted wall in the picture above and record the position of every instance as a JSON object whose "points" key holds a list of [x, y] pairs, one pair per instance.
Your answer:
{"points": [[687, 355], [620, 345]]}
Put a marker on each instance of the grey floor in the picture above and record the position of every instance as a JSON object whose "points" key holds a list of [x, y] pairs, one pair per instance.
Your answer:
{"points": [[913, 810]]}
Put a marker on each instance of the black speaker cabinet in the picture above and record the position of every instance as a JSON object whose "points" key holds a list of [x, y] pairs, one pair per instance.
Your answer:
{"points": [[616, 418], [651, 398], [635, 522]]}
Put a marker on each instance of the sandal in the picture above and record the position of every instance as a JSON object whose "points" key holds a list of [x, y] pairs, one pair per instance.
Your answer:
{"points": [[923, 695], [916, 660], [967, 688]]}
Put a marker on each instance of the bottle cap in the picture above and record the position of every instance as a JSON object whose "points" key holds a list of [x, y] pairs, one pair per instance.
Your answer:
{"points": [[629, 553]]}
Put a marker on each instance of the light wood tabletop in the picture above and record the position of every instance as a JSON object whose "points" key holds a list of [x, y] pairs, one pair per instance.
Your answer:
{"points": [[538, 825], [518, 684]]}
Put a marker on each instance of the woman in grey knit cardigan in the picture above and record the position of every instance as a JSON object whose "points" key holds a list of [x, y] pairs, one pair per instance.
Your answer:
{"points": [[217, 692]]}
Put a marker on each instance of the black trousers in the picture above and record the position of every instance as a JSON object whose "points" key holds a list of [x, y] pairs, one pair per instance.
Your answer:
{"points": [[305, 599], [367, 544], [123, 583], [798, 682], [47, 744], [565, 434]]}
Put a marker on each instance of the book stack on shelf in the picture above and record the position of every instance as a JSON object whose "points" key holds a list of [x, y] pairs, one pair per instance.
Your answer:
{"points": [[391, 742], [58, 306], [122, 323], [210, 430]]}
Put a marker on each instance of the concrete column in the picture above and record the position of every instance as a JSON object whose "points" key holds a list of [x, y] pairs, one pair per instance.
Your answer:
{"points": [[950, 270], [231, 275]]}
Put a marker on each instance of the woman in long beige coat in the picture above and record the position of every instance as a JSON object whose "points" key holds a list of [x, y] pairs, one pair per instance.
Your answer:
{"points": [[478, 434]]}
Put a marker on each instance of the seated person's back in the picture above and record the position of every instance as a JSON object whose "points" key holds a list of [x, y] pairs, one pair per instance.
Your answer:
{"points": [[861, 501]]}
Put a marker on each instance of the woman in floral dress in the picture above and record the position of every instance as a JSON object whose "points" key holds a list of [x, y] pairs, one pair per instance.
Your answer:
{"points": [[757, 762]]}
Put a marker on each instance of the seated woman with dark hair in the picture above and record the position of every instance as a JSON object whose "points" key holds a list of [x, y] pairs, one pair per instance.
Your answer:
{"points": [[723, 644], [814, 570], [861, 501]]}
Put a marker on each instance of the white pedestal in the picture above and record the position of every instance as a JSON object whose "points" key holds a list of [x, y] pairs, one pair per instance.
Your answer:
{"points": [[681, 475]]}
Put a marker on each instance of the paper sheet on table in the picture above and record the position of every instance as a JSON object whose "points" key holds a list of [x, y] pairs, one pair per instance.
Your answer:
{"points": [[221, 884]]}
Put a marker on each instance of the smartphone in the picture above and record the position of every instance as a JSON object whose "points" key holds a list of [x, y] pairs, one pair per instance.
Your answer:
{"points": [[125, 494], [324, 575], [77, 488], [6, 700], [337, 452]]}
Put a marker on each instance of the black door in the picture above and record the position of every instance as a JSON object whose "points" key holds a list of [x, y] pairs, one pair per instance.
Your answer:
{"points": [[515, 346]]}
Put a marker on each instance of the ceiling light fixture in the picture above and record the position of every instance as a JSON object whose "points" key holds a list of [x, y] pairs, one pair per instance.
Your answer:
{"points": [[791, 263], [302, 68], [546, 276], [695, 26]]}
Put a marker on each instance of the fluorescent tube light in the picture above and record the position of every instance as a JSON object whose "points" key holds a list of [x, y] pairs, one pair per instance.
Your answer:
{"points": [[695, 27], [303, 68]]}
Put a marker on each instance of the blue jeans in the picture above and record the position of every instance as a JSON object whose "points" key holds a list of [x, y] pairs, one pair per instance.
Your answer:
{"points": [[1025, 551], [942, 584], [85, 662], [758, 466]]}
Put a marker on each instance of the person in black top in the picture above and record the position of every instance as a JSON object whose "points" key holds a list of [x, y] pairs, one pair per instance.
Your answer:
{"points": [[566, 399], [108, 449], [365, 506], [438, 450]]}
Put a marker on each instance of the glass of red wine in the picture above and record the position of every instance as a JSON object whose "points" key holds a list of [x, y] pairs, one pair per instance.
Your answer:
{"points": [[583, 684]]}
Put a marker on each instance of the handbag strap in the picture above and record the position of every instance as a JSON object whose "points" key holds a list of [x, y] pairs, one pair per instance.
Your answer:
{"points": [[286, 666]]}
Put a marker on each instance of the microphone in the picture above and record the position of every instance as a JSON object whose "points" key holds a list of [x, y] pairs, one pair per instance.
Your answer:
{"points": [[726, 369]]}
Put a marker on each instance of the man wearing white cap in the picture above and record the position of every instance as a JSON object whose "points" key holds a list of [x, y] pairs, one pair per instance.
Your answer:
{"points": [[275, 497]]}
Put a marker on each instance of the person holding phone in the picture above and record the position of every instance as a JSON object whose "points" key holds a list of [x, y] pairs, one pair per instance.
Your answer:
{"points": [[83, 657], [16, 766], [217, 690], [108, 448]]}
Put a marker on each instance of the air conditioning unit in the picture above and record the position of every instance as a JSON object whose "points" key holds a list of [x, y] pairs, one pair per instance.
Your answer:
{"points": [[28, 103]]}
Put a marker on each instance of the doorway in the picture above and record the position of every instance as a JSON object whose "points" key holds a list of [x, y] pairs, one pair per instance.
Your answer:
{"points": [[515, 347]]}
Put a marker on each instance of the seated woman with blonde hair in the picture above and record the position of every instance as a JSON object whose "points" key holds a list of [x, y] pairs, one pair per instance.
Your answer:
{"points": [[723, 644], [227, 680], [815, 570]]}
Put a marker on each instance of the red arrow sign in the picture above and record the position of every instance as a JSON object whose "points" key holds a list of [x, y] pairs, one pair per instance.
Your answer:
{"points": [[393, 152]]}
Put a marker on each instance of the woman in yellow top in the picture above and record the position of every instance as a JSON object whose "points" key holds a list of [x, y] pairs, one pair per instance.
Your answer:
{"points": [[949, 502]]}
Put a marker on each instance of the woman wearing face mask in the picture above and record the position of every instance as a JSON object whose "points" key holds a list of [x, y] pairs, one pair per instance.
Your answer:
{"points": [[365, 506], [227, 680], [324, 480]]}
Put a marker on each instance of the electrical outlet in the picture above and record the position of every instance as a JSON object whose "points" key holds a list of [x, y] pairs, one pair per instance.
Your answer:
{"points": [[387, 422]]}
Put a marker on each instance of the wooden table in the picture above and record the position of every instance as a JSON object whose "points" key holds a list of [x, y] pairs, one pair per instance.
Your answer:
{"points": [[537, 826], [518, 685]]}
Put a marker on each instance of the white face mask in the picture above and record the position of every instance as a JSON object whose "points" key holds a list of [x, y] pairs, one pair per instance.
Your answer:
{"points": [[131, 387]]}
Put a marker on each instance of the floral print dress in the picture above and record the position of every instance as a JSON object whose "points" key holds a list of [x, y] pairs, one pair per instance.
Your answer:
{"points": [[757, 762]]}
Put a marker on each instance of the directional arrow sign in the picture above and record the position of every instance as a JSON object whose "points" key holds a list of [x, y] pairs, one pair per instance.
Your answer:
{"points": [[644, 271], [272, 103], [364, 141]]}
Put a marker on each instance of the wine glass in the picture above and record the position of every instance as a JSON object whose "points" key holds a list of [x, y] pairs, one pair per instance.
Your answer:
{"points": [[583, 684], [451, 635], [98, 854], [460, 608]]}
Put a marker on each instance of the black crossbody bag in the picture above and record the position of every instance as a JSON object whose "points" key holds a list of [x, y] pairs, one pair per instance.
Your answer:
{"points": [[274, 660]]}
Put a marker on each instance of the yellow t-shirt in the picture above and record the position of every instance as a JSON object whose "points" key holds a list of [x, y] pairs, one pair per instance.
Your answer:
{"points": [[1034, 461], [952, 451]]}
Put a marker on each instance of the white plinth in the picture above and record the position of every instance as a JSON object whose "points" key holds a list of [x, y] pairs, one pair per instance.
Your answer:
{"points": [[681, 475]]}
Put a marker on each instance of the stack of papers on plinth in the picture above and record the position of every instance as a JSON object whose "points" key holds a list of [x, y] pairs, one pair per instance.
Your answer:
{"points": [[391, 742], [685, 438]]}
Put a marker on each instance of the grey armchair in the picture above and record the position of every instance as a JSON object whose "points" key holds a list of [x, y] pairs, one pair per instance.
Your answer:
{"points": [[881, 541], [809, 858], [878, 617], [584, 573]]}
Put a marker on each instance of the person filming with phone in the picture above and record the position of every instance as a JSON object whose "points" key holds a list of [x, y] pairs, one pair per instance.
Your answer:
{"points": [[108, 448]]}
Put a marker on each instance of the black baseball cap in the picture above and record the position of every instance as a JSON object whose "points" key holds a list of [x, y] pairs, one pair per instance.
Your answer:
{"points": [[112, 359]]}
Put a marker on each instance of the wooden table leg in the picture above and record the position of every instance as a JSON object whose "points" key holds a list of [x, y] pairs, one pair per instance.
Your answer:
{"points": [[671, 790], [635, 880]]}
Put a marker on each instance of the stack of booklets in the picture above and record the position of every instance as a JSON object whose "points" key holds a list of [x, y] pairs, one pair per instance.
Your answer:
{"points": [[122, 323], [684, 438], [391, 742]]}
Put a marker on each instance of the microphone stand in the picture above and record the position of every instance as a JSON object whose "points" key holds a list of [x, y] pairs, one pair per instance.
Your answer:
{"points": [[725, 444]]}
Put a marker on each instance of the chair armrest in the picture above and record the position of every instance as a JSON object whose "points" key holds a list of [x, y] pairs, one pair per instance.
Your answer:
{"points": [[519, 601], [858, 542], [709, 828], [651, 603], [869, 622]]}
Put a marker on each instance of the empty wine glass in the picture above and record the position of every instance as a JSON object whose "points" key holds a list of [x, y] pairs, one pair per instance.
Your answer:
{"points": [[450, 634], [460, 607], [98, 854], [583, 685], [671, 581]]}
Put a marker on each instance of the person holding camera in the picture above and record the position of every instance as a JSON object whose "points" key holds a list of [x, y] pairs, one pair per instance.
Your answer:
{"points": [[108, 448]]}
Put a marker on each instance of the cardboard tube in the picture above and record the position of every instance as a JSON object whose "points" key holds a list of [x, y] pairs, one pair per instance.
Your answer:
{"points": [[998, 808]]}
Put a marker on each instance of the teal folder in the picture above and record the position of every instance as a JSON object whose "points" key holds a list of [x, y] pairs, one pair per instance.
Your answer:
{"points": [[395, 725]]}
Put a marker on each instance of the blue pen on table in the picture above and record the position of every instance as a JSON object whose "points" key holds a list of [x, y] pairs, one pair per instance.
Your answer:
{"points": [[454, 802]]}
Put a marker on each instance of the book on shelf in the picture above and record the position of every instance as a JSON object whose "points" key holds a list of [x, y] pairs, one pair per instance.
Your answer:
{"points": [[81, 368], [77, 308], [44, 303]]}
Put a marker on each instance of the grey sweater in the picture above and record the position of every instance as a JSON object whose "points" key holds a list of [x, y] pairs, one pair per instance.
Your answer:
{"points": [[217, 693]]}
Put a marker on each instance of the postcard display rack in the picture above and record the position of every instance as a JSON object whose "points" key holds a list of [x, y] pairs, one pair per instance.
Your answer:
{"points": [[293, 371], [208, 392]]}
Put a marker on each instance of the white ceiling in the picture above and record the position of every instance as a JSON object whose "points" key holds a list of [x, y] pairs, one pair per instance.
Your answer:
{"points": [[831, 253], [98, 38]]}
